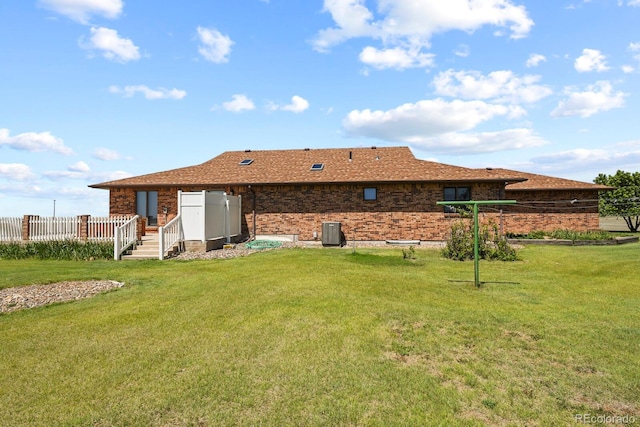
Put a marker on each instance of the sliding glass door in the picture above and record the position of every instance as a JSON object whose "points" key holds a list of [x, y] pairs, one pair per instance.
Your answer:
{"points": [[147, 206]]}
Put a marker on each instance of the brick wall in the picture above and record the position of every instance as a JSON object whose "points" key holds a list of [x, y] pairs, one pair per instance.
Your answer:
{"points": [[402, 211]]}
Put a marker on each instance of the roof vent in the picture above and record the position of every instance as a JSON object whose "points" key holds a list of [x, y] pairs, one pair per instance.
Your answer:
{"points": [[306, 149], [374, 147], [489, 169], [247, 151]]}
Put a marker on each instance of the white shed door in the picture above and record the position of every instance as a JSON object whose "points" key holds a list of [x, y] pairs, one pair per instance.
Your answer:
{"points": [[192, 223]]}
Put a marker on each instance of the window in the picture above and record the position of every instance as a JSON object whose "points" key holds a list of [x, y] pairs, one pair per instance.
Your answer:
{"points": [[371, 193], [456, 194], [317, 166], [246, 162]]}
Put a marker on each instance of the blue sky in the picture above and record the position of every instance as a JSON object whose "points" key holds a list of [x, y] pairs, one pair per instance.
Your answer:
{"points": [[95, 90]]}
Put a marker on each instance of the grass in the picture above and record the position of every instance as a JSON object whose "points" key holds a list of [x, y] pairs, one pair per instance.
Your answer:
{"points": [[328, 337]]}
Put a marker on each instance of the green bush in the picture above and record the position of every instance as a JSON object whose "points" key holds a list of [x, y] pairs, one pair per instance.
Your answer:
{"points": [[564, 234], [491, 245], [580, 235], [57, 250]]}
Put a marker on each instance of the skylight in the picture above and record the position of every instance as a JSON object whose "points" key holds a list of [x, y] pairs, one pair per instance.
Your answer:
{"points": [[317, 166], [246, 162]]}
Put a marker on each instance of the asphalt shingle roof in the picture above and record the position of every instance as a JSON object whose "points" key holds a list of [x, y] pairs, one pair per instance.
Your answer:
{"points": [[341, 165], [543, 182]]}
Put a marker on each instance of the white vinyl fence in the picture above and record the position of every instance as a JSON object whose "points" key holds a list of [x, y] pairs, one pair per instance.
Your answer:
{"points": [[10, 229], [61, 228], [47, 229]]}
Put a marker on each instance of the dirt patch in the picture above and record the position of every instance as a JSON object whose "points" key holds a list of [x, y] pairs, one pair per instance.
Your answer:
{"points": [[12, 299]]}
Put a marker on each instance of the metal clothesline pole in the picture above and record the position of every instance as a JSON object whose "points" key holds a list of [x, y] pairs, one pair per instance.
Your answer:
{"points": [[475, 204]]}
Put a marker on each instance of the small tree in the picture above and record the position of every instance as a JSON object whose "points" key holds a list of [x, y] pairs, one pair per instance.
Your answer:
{"points": [[624, 200]]}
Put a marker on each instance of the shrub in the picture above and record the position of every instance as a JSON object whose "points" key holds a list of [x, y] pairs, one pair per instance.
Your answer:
{"points": [[409, 253], [564, 234], [491, 245], [580, 235]]}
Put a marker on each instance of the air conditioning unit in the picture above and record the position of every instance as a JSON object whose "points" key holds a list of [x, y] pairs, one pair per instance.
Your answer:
{"points": [[331, 234]]}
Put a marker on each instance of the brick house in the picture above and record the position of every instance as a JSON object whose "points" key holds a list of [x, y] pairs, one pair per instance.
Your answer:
{"points": [[375, 193]]}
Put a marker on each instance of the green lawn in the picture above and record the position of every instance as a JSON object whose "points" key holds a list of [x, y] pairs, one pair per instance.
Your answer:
{"points": [[329, 337]]}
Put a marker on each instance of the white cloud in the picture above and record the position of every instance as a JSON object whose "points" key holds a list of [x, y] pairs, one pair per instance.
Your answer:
{"points": [[595, 99], [352, 19], [483, 142], [34, 142], [397, 57], [239, 103], [106, 154], [112, 46], [61, 175], [79, 166], [110, 176], [19, 189], [81, 171], [436, 124], [160, 93], [215, 47], [462, 51], [408, 23], [581, 159], [298, 105], [591, 60], [635, 48], [535, 59], [16, 171], [499, 86], [82, 10]]}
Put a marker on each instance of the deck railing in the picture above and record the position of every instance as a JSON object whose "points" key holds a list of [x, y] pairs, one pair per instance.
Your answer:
{"points": [[169, 236], [102, 229], [125, 236]]}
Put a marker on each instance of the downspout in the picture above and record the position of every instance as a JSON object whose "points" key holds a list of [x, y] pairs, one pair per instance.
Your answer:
{"points": [[254, 210]]}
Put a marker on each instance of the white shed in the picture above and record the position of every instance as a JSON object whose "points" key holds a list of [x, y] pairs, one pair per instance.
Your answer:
{"points": [[210, 215]]}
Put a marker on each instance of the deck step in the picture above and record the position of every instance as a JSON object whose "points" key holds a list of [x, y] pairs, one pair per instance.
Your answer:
{"points": [[147, 249]]}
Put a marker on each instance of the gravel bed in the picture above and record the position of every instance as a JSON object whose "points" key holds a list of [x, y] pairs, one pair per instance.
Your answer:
{"points": [[237, 251], [242, 250], [36, 295]]}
